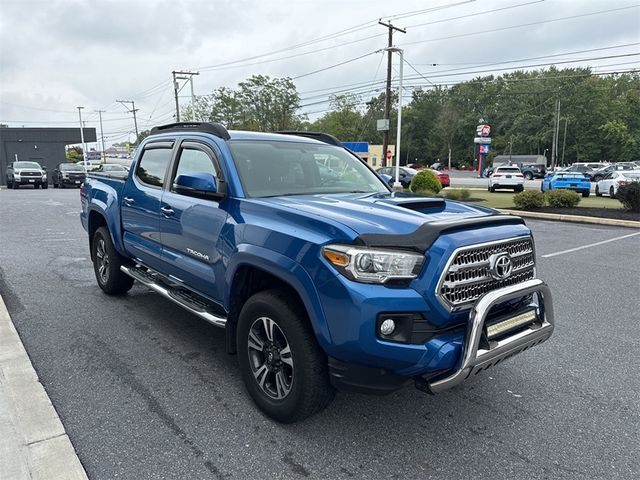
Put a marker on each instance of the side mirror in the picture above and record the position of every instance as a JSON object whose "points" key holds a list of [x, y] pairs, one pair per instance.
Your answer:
{"points": [[199, 184], [388, 179]]}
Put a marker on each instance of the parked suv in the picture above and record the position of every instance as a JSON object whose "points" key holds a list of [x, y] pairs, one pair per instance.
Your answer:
{"points": [[68, 174], [508, 176], [26, 173], [533, 170]]}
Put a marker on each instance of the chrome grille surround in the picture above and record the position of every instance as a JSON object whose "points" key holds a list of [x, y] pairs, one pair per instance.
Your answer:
{"points": [[466, 276]]}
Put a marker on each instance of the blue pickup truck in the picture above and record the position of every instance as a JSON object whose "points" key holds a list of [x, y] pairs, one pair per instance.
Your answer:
{"points": [[322, 278]]}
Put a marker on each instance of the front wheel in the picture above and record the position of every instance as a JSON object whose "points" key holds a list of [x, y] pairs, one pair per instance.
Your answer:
{"points": [[106, 264], [585, 194], [45, 185], [528, 176], [282, 365], [598, 193], [612, 192]]}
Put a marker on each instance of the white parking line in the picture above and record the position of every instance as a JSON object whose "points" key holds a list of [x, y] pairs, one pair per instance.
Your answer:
{"points": [[590, 245]]}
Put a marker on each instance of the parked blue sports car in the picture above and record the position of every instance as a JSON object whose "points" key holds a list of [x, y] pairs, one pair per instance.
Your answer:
{"points": [[575, 181]]}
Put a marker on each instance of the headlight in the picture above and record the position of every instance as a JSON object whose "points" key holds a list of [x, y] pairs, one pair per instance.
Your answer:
{"points": [[373, 265]]}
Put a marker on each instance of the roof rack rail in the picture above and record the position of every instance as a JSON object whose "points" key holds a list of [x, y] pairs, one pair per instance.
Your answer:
{"points": [[215, 128], [322, 137]]}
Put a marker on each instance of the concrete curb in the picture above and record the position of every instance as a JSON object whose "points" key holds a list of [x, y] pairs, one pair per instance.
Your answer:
{"points": [[573, 218], [33, 442]]}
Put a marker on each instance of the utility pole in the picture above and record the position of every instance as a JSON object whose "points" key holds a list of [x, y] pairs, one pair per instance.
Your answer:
{"points": [[387, 103], [133, 110], [179, 75], [564, 139], [510, 148], [100, 112], [554, 144], [84, 147]]}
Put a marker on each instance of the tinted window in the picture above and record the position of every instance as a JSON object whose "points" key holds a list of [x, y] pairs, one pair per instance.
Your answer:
{"points": [[192, 160], [26, 165], [152, 167], [270, 168], [71, 167]]}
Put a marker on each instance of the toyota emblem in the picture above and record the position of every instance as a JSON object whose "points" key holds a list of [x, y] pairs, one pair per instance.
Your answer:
{"points": [[500, 266]]}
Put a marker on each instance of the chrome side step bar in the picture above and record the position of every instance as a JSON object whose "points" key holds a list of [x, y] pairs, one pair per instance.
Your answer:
{"points": [[178, 297]]}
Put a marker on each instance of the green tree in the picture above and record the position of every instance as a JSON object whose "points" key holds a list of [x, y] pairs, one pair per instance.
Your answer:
{"points": [[344, 121], [259, 103], [74, 154]]}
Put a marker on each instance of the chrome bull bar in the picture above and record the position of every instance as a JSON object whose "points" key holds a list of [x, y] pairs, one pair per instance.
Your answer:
{"points": [[475, 359]]}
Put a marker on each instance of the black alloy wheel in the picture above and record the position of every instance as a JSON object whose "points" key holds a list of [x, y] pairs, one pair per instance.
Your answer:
{"points": [[270, 358], [106, 264], [283, 368]]}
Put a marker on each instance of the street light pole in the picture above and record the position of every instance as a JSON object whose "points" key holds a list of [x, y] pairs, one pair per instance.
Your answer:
{"points": [[397, 186], [84, 147]]}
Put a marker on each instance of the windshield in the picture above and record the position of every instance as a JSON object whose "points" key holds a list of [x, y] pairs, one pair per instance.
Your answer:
{"points": [[26, 165], [71, 167], [631, 176], [273, 168]]}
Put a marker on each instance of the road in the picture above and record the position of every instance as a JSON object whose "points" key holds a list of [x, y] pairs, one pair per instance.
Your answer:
{"points": [[146, 390]]}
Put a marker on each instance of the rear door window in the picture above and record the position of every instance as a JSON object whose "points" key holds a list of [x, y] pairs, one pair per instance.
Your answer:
{"points": [[152, 167]]}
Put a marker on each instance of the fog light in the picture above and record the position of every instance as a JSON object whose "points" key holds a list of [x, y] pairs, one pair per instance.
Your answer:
{"points": [[387, 327]]}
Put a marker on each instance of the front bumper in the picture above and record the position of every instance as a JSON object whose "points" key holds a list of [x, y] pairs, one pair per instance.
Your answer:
{"points": [[474, 355], [476, 359]]}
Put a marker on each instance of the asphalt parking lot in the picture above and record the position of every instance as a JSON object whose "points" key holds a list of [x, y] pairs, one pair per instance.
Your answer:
{"points": [[146, 390]]}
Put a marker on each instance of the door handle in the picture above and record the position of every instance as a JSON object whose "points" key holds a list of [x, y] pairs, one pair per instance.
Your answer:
{"points": [[128, 201], [167, 211]]}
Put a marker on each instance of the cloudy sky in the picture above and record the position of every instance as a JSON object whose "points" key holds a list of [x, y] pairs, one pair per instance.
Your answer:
{"points": [[58, 54]]}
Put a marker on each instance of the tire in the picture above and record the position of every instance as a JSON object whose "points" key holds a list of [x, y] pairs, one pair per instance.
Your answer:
{"points": [[585, 194], [612, 192], [45, 185], [15, 185], [287, 391], [519, 188], [528, 175], [598, 194], [106, 264], [55, 185], [492, 189]]}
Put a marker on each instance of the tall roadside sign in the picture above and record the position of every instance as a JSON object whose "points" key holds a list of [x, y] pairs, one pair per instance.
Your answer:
{"points": [[483, 140]]}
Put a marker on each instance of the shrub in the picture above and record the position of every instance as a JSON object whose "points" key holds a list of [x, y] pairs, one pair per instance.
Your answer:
{"points": [[528, 200], [629, 196], [426, 193], [457, 194], [562, 198], [425, 180]]}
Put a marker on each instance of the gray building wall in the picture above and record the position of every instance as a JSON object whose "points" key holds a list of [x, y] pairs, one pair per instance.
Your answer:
{"points": [[43, 145]]}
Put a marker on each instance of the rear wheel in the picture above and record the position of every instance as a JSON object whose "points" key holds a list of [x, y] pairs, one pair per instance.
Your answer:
{"points": [[612, 192], [585, 194], [528, 175], [106, 265], [598, 193], [282, 365]]}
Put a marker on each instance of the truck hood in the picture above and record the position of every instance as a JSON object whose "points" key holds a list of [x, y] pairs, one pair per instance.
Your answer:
{"points": [[381, 214]]}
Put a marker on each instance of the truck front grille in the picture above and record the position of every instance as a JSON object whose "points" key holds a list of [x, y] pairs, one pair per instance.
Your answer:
{"points": [[468, 273]]}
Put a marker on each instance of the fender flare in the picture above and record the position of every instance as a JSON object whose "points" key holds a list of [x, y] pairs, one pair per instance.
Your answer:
{"points": [[290, 272], [110, 213]]}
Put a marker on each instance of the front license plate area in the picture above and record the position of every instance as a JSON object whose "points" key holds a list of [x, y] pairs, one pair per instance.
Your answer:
{"points": [[32, 180], [509, 323]]}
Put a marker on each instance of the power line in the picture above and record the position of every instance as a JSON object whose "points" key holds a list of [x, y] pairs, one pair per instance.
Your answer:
{"points": [[493, 30], [333, 66]]}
